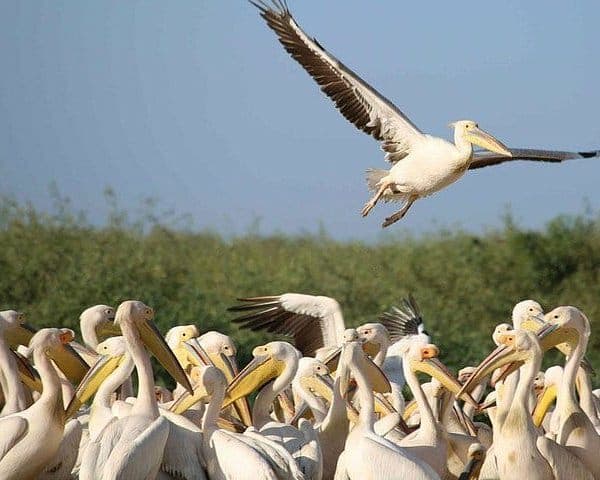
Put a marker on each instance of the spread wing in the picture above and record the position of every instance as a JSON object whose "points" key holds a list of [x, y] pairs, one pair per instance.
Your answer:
{"points": [[356, 100], [403, 321], [314, 321], [485, 159]]}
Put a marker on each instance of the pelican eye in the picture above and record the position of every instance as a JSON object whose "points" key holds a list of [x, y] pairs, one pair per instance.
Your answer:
{"points": [[556, 316]]}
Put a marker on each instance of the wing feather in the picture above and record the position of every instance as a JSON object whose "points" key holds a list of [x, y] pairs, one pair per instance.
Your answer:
{"points": [[403, 321], [486, 159], [356, 100], [313, 321]]}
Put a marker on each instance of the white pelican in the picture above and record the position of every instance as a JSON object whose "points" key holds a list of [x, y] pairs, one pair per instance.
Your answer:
{"points": [[31, 438], [94, 322], [16, 397], [366, 454], [520, 451], [277, 361], [575, 430], [383, 341], [236, 456], [422, 164], [132, 446]]}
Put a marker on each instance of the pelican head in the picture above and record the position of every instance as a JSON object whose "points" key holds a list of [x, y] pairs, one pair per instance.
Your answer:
{"points": [[183, 340], [528, 315], [313, 375], [547, 393], [374, 336], [112, 353], [423, 357], [50, 340], [99, 318], [470, 131], [500, 329], [476, 455], [14, 328], [270, 362], [134, 316]]}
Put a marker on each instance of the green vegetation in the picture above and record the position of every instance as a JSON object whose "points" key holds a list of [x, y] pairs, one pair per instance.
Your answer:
{"points": [[54, 266]]}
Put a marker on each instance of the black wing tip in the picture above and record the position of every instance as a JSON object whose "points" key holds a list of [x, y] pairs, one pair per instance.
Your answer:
{"points": [[590, 154], [278, 7]]}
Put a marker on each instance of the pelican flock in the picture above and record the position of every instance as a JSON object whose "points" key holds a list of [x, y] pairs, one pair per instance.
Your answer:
{"points": [[322, 400], [331, 403]]}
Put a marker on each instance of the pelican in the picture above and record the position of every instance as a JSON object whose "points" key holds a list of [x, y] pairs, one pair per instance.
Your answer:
{"points": [[132, 446], [31, 438], [575, 430], [366, 454], [520, 452], [421, 164], [230, 455], [277, 361], [16, 397], [383, 341], [94, 322]]}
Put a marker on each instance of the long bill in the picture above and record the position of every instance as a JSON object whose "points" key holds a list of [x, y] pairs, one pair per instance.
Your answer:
{"points": [[29, 376], [157, 345], [434, 368], [544, 401], [89, 385], [483, 139]]}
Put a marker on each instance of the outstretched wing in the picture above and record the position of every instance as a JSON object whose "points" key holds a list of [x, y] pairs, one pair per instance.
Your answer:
{"points": [[313, 321], [403, 321], [485, 159], [360, 103]]}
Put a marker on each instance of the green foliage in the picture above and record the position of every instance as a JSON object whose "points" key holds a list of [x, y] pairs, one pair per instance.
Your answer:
{"points": [[55, 265]]}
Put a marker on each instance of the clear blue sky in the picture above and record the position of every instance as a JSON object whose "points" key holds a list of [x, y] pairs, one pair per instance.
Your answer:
{"points": [[195, 103]]}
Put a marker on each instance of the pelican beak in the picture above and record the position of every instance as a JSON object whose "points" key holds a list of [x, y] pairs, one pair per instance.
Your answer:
{"points": [[533, 323], [379, 382], [261, 370], [109, 329], [228, 365], [156, 344], [194, 354], [487, 404], [371, 348], [333, 359], [68, 360], [29, 376], [19, 335], [500, 357], [473, 467], [187, 400], [322, 385], [410, 410], [430, 365], [483, 139], [544, 401], [103, 367]]}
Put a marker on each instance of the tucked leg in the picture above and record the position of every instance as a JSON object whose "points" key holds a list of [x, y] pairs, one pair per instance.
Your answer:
{"points": [[399, 214], [371, 203]]}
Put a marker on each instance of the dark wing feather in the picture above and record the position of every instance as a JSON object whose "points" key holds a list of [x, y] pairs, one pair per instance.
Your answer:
{"points": [[403, 321], [360, 103], [268, 314], [486, 159]]}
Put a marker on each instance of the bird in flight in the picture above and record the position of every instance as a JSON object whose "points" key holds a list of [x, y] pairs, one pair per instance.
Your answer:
{"points": [[421, 164]]}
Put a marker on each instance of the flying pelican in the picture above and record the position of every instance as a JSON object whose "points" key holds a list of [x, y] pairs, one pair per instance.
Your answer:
{"points": [[132, 446], [422, 164], [367, 455], [31, 438]]}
